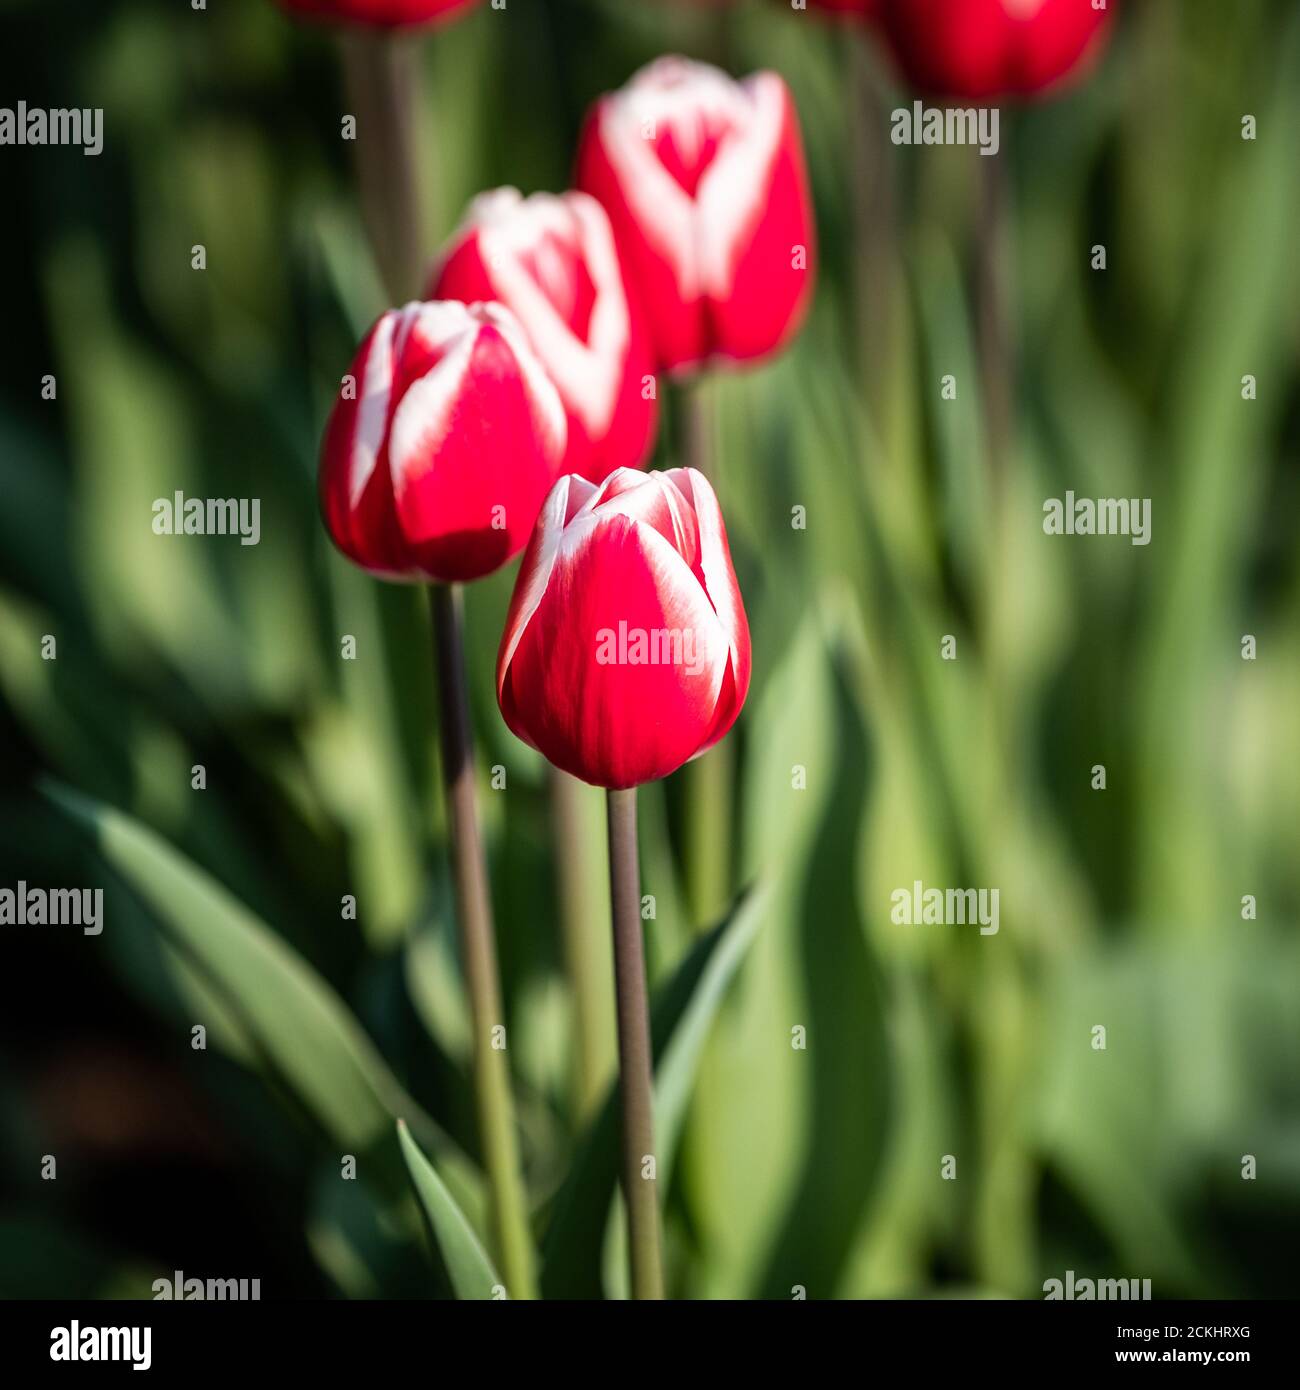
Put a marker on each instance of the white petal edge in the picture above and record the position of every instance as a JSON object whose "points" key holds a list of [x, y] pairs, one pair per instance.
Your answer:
{"points": [[550, 530], [714, 562], [588, 374]]}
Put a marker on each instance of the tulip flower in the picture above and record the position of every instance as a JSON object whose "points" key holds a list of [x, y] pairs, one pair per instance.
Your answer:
{"points": [[982, 49], [381, 14], [626, 653], [626, 649], [704, 182], [439, 451], [442, 445], [553, 262]]}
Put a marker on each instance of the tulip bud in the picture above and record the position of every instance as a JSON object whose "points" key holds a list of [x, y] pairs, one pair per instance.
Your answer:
{"points": [[442, 444], [704, 182], [380, 14], [553, 263], [980, 49], [626, 648]]}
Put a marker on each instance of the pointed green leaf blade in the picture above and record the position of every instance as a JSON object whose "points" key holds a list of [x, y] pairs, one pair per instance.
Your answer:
{"points": [[304, 1035], [454, 1243]]}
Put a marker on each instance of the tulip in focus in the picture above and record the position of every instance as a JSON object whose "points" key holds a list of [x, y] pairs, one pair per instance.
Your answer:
{"points": [[552, 261], [704, 182], [626, 648], [381, 14], [982, 49], [442, 445]]}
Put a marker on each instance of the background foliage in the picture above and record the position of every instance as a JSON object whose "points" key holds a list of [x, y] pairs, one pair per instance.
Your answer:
{"points": [[819, 1167]]}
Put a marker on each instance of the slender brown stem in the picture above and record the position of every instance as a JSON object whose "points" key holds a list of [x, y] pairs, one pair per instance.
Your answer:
{"points": [[636, 1089], [381, 76], [875, 252], [478, 947], [584, 912]]}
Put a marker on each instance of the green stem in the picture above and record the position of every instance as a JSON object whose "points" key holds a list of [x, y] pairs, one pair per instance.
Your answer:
{"points": [[997, 349], [584, 911], [708, 780], [495, 1107], [636, 1089], [381, 78]]}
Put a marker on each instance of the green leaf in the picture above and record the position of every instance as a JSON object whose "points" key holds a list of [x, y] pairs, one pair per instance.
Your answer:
{"points": [[305, 1037], [680, 1017], [454, 1242]]}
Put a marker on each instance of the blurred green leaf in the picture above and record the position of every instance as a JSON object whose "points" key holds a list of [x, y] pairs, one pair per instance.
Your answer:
{"points": [[454, 1241], [305, 1035]]}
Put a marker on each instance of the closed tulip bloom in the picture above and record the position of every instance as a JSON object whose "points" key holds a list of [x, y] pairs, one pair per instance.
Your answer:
{"points": [[384, 14], [553, 262], [442, 444], [626, 648], [704, 181], [979, 49]]}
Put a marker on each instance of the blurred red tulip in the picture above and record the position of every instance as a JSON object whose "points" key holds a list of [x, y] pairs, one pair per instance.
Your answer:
{"points": [[978, 49], [385, 14], [553, 262], [626, 649], [704, 182], [437, 458]]}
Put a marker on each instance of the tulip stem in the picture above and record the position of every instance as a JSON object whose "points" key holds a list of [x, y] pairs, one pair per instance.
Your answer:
{"points": [[875, 253], [580, 875], [707, 781], [997, 349], [636, 1087], [496, 1121], [381, 80]]}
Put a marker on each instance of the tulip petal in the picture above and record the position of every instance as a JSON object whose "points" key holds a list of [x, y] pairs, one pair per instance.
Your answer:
{"points": [[721, 587], [563, 501], [356, 502], [651, 499]]}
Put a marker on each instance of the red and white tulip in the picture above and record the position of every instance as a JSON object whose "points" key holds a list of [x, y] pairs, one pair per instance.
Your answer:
{"points": [[982, 49], [626, 649], [442, 445], [552, 261], [704, 182]]}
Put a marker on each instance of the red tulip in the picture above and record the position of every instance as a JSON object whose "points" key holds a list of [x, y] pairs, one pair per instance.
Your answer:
{"points": [[626, 649], [978, 49], [704, 182], [437, 459], [384, 14], [553, 262]]}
